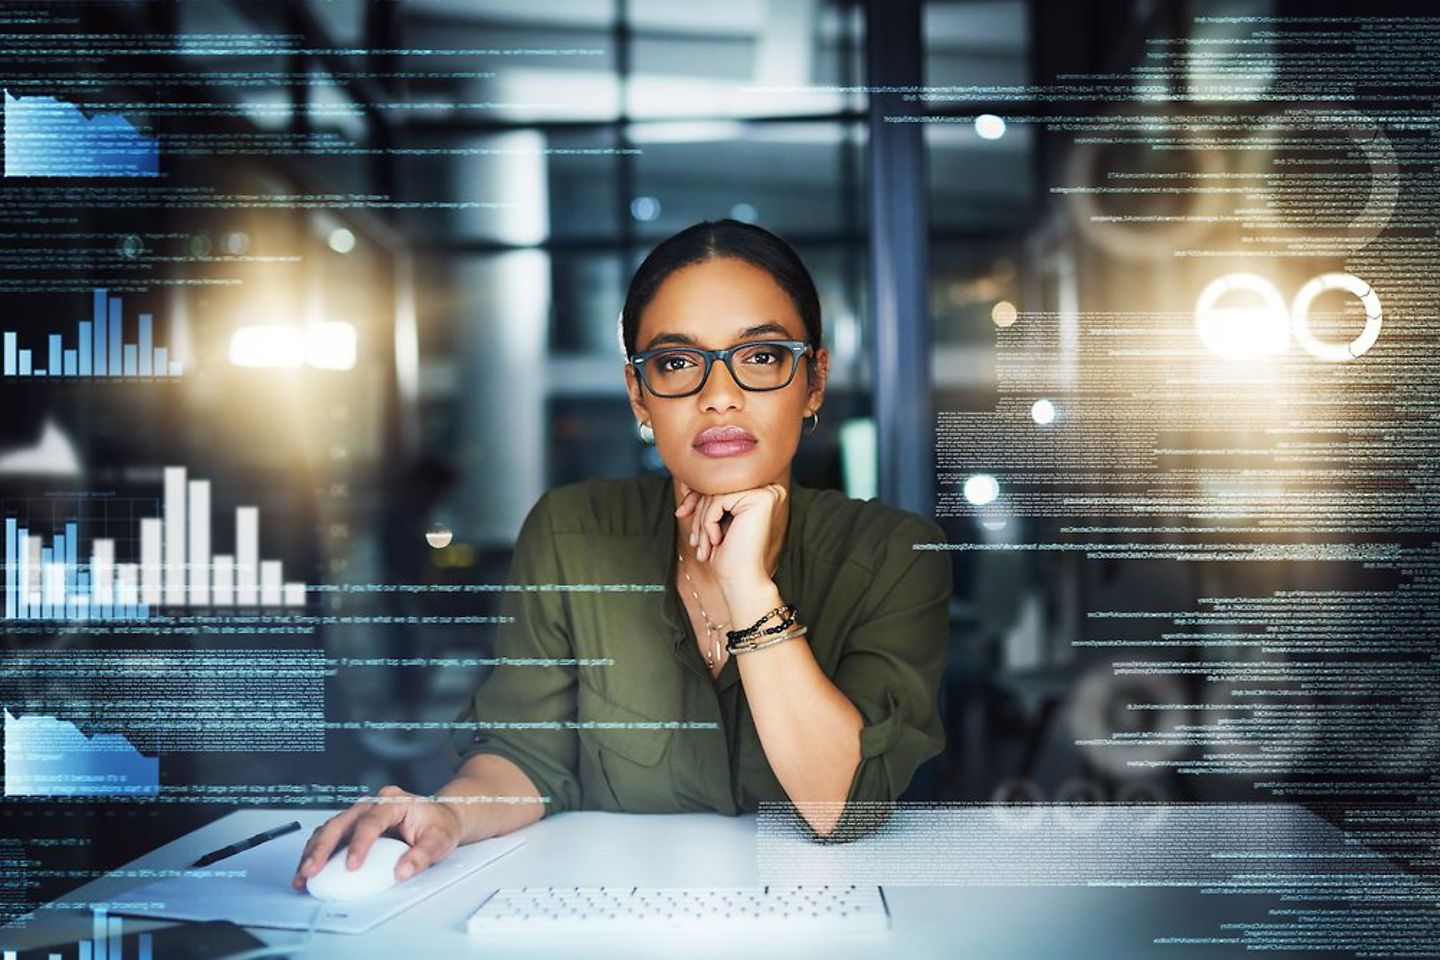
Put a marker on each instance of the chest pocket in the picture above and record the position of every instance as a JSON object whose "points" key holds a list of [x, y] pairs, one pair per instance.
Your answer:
{"points": [[623, 757]]}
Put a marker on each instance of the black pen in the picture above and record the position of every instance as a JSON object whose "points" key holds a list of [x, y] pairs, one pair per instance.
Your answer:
{"points": [[254, 841]]}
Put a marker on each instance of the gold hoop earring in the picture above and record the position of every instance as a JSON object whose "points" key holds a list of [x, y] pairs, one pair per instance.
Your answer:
{"points": [[646, 432], [814, 423]]}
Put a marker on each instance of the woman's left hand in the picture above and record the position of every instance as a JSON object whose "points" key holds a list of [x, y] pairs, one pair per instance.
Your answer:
{"points": [[732, 530]]}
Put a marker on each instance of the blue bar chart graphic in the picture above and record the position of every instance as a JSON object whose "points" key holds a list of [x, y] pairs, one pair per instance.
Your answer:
{"points": [[55, 581], [99, 348], [49, 757], [104, 943], [48, 137]]}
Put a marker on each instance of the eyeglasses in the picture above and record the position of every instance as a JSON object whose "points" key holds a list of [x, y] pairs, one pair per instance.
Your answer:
{"points": [[756, 365]]}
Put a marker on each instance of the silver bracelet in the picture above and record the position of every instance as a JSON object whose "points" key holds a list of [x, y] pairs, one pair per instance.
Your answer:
{"points": [[790, 635]]}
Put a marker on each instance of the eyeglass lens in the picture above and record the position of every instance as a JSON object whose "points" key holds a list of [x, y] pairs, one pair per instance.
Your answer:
{"points": [[758, 366]]}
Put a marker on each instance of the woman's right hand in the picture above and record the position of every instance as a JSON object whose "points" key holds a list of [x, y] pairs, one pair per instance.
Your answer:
{"points": [[431, 829]]}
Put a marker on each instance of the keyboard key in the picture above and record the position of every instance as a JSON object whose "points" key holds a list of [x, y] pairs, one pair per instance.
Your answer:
{"points": [[637, 910]]}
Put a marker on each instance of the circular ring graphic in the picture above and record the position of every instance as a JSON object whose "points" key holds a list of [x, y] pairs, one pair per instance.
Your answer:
{"points": [[1383, 183], [1080, 804], [1018, 803], [1127, 241], [1335, 352], [1146, 803], [1100, 709], [1243, 333]]}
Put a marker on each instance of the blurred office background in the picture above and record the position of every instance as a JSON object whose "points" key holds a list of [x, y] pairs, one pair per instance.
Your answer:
{"points": [[457, 309]]}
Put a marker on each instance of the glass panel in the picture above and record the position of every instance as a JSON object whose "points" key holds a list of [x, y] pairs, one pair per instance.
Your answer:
{"points": [[338, 126], [499, 193], [581, 85], [745, 58], [593, 437], [978, 184], [589, 292], [584, 187], [590, 14], [982, 42], [980, 167], [787, 177], [974, 287], [840, 278], [344, 20]]}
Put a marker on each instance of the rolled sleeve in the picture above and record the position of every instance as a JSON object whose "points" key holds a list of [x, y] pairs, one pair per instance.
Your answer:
{"points": [[539, 699], [891, 670]]}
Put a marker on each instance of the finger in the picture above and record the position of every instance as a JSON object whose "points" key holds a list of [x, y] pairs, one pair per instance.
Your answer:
{"points": [[434, 843], [307, 855], [367, 831], [713, 517], [687, 504], [382, 817], [310, 861], [324, 840], [696, 514], [686, 495], [698, 536]]}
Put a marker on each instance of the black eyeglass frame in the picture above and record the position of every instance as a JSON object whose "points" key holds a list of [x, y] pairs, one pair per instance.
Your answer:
{"points": [[797, 348]]}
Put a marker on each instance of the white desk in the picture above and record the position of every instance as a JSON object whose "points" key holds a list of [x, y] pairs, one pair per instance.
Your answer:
{"points": [[593, 849]]}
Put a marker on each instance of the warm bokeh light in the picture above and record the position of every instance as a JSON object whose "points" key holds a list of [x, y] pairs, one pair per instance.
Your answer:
{"points": [[981, 489], [272, 345], [1247, 331], [989, 126], [331, 345], [341, 240]]}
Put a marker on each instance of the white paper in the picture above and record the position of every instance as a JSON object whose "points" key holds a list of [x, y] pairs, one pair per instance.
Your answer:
{"points": [[263, 896]]}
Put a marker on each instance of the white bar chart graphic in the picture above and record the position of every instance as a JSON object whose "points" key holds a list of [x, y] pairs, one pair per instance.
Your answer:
{"points": [[175, 568]]}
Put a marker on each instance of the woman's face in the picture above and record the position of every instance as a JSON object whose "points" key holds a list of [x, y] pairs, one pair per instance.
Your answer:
{"points": [[712, 305]]}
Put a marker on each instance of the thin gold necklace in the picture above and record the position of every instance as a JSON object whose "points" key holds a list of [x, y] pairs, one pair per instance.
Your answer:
{"points": [[711, 629]]}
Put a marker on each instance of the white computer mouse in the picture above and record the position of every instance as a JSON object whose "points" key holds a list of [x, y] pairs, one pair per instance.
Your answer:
{"points": [[335, 882]]}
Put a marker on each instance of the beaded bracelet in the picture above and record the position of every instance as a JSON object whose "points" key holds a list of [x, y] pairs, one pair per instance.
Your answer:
{"points": [[786, 622], [787, 612], [752, 647], [752, 634]]}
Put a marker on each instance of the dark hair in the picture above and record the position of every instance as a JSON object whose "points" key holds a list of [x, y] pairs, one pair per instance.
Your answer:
{"points": [[709, 240]]}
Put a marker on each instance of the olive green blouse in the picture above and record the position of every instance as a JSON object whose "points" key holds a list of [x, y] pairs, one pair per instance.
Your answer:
{"points": [[630, 719]]}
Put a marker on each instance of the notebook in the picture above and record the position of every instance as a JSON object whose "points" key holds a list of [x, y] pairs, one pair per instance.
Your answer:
{"points": [[253, 889]]}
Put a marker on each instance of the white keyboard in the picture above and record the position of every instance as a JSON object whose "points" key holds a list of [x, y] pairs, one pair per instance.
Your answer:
{"points": [[604, 910]]}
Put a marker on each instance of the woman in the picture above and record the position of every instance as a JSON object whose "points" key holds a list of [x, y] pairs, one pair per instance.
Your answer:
{"points": [[713, 694]]}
